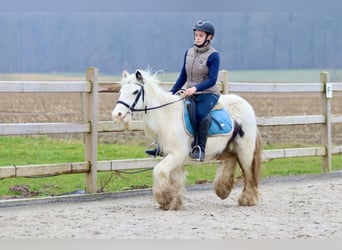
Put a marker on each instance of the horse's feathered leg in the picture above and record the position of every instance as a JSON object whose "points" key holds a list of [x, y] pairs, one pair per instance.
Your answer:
{"points": [[169, 183], [249, 158], [224, 180]]}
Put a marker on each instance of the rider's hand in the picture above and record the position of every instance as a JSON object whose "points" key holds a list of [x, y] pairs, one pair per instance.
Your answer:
{"points": [[190, 91]]}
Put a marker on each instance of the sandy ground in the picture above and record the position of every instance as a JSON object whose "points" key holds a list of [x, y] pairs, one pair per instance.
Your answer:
{"points": [[297, 207]]}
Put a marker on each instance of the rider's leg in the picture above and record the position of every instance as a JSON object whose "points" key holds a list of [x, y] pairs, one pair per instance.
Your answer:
{"points": [[198, 151], [204, 104]]}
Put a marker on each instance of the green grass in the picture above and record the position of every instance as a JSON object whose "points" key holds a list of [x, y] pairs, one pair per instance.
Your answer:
{"points": [[42, 149]]}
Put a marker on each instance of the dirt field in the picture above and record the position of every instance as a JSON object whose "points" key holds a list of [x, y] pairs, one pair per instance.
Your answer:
{"points": [[296, 207]]}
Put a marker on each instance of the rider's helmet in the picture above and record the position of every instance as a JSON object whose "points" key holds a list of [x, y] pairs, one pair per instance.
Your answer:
{"points": [[205, 26]]}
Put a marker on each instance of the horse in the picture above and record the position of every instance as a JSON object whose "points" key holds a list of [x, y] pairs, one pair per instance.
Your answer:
{"points": [[162, 117]]}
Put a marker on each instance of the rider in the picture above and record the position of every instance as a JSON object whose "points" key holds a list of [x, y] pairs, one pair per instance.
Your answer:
{"points": [[199, 72]]}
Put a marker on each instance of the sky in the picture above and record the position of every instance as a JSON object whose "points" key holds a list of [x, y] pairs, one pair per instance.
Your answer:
{"points": [[171, 5]]}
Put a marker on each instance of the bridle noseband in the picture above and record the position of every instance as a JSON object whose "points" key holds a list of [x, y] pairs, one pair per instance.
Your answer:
{"points": [[132, 107], [141, 93]]}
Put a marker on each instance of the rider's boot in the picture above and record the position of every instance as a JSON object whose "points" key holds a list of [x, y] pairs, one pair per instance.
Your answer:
{"points": [[154, 152], [198, 151]]}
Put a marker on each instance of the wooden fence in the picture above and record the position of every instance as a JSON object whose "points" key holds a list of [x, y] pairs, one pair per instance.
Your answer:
{"points": [[90, 126]]}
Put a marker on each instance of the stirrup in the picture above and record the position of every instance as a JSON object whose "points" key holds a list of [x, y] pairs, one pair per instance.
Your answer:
{"points": [[193, 154]]}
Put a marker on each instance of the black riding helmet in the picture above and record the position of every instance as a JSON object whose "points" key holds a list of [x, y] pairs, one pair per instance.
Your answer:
{"points": [[207, 27]]}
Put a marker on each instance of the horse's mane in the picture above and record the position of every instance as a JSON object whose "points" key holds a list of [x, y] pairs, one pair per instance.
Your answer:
{"points": [[151, 73], [152, 82], [149, 76], [156, 96]]}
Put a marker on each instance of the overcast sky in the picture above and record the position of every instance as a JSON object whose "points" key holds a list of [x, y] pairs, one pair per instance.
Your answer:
{"points": [[171, 5]]}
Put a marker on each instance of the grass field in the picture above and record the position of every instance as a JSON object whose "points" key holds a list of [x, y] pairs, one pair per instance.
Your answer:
{"points": [[42, 149]]}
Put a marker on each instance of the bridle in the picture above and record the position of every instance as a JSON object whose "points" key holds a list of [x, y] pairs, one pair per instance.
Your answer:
{"points": [[141, 93]]}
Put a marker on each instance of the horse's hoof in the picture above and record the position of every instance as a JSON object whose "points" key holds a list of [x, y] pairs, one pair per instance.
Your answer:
{"points": [[164, 207], [222, 191], [174, 205], [168, 200], [244, 201]]}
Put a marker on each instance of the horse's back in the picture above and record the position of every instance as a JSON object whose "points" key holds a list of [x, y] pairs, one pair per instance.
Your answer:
{"points": [[237, 106]]}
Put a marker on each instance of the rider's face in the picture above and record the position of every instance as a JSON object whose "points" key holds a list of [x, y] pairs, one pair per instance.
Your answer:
{"points": [[200, 37]]}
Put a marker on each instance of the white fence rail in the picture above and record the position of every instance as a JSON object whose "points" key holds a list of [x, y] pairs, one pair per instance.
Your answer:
{"points": [[90, 126]]}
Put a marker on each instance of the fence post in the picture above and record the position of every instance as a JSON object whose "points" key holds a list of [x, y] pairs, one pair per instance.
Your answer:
{"points": [[326, 127], [224, 79], [90, 108]]}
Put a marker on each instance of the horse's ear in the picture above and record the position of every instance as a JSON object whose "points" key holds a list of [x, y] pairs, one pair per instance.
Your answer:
{"points": [[124, 79], [125, 74], [139, 76]]}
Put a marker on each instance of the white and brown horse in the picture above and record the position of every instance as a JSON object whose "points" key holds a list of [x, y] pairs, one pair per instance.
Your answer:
{"points": [[162, 116]]}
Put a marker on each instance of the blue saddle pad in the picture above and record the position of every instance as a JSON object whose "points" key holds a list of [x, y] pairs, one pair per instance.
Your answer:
{"points": [[222, 122]]}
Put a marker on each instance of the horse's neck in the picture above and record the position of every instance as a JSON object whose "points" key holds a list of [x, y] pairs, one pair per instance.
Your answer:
{"points": [[157, 120], [154, 95]]}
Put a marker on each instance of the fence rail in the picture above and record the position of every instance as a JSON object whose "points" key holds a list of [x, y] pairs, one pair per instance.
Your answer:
{"points": [[90, 126], [45, 87]]}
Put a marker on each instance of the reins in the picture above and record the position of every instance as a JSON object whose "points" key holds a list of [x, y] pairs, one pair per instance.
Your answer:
{"points": [[141, 93]]}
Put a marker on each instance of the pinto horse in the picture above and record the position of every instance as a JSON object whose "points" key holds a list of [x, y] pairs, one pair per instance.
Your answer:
{"points": [[163, 117]]}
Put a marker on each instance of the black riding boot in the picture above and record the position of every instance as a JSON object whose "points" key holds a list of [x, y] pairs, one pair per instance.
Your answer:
{"points": [[198, 151], [191, 106], [154, 152]]}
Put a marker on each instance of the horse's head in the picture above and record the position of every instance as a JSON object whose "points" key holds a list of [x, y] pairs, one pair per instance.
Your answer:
{"points": [[131, 96]]}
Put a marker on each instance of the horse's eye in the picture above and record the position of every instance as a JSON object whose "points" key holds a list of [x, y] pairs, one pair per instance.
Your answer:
{"points": [[135, 92]]}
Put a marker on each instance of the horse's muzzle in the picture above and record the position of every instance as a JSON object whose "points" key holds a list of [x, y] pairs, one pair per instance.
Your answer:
{"points": [[121, 117]]}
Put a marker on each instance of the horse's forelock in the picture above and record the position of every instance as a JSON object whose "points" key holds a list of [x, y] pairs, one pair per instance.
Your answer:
{"points": [[149, 77]]}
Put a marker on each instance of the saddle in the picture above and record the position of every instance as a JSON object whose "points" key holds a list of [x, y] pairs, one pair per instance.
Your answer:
{"points": [[222, 122]]}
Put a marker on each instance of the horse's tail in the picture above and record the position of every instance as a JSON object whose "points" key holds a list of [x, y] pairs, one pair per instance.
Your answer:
{"points": [[256, 164]]}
